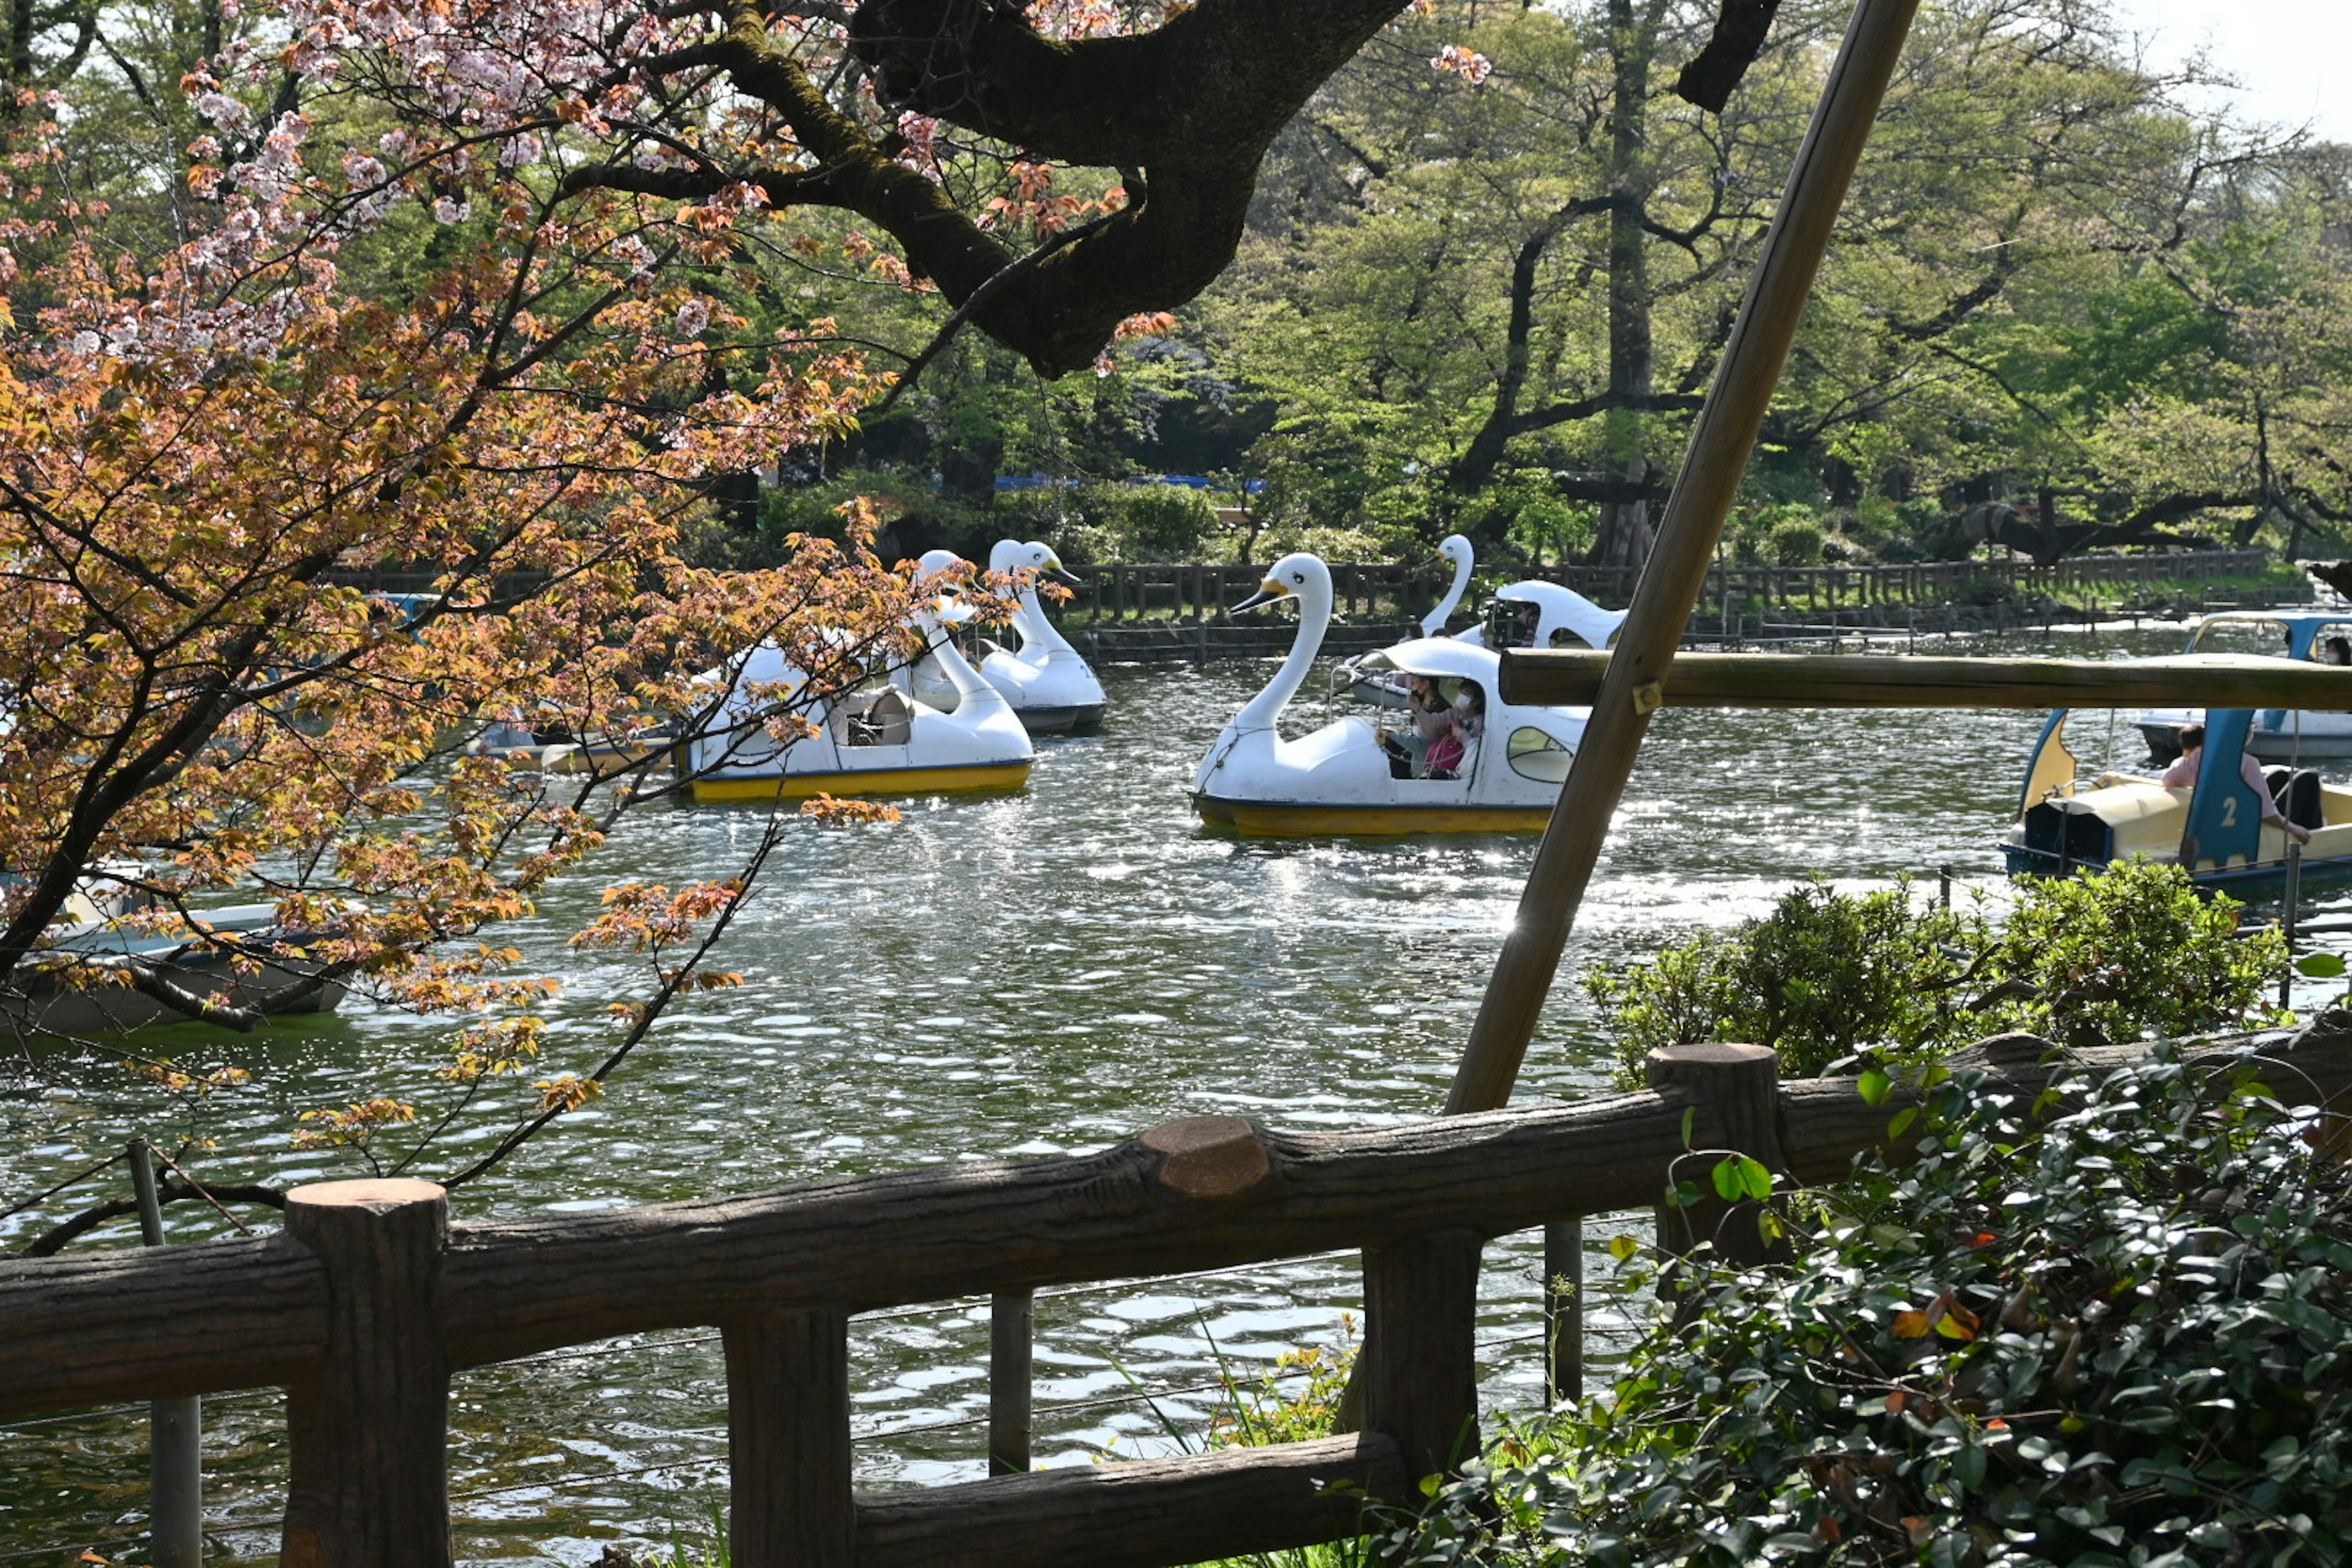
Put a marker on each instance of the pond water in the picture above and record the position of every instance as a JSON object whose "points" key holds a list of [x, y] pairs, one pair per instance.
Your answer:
{"points": [[1039, 974]]}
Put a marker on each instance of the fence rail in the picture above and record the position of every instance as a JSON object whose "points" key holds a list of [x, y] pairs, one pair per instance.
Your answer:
{"points": [[1191, 591], [1195, 591], [369, 1300]]}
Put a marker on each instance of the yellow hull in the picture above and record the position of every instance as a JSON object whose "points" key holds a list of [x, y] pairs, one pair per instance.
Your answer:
{"points": [[873, 781], [1277, 819]]}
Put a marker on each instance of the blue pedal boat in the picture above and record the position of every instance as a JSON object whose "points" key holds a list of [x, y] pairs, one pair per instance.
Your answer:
{"points": [[2067, 824]]}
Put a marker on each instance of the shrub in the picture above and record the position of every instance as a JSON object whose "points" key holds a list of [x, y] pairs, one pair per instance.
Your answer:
{"points": [[2123, 1336], [2130, 952], [1795, 541], [1167, 522]]}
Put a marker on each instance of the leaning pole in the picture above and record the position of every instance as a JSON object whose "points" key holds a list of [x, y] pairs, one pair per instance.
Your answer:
{"points": [[1671, 583]]}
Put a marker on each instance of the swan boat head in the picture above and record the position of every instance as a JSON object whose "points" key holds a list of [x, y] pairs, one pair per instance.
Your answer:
{"points": [[1048, 681], [1457, 552]]}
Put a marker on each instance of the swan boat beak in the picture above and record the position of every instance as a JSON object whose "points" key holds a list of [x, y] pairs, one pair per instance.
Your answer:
{"points": [[1268, 592]]}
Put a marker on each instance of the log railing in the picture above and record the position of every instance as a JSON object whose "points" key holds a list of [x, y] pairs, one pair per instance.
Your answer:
{"points": [[369, 1298], [1194, 591]]}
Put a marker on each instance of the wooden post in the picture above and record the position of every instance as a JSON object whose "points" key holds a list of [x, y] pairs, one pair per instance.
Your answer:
{"points": [[1420, 1371], [368, 1482], [2287, 918], [1736, 1089], [789, 1501], [1720, 448], [1012, 1338], [175, 1463], [1563, 1282]]}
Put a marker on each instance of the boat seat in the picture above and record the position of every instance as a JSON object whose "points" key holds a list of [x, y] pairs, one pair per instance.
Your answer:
{"points": [[2297, 793], [887, 720]]}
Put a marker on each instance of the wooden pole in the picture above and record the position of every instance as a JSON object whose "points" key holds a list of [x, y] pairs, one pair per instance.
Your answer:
{"points": [[1563, 1282], [175, 1465], [1011, 1340], [788, 1461], [1717, 458], [1561, 677], [1419, 1370], [368, 1473]]}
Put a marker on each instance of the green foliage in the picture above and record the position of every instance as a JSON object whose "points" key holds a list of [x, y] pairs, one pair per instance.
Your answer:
{"points": [[2087, 960], [1826, 974], [2120, 1337], [1167, 522], [1278, 1407], [1794, 542], [2132, 951]]}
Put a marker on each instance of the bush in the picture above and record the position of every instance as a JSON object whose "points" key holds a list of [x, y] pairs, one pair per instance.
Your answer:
{"points": [[2134, 952], [2124, 1336], [1167, 522], [1795, 541]]}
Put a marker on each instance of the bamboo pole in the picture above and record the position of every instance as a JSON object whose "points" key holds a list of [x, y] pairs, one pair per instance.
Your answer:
{"points": [[1560, 675], [1719, 449]]}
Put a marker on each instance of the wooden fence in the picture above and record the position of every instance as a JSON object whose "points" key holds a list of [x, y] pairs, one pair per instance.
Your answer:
{"points": [[1194, 591], [369, 1300]]}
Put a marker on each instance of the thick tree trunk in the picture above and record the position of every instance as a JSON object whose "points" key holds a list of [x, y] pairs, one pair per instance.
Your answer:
{"points": [[1626, 529]]}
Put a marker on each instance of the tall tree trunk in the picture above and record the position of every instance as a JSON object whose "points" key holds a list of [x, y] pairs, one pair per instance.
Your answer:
{"points": [[1626, 529]]}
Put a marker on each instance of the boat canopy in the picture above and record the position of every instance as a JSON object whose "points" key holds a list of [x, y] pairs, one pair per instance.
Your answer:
{"points": [[2295, 634], [1440, 658]]}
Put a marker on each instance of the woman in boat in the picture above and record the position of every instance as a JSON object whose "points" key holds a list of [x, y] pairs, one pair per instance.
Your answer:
{"points": [[2182, 774]]}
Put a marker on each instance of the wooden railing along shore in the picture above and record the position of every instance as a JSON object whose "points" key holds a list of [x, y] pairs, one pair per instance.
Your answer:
{"points": [[369, 1298], [1189, 591]]}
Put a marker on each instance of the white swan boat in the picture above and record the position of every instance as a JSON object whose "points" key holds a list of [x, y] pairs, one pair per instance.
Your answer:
{"points": [[1386, 688], [1536, 614], [1049, 683], [878, 740], [1340, 779]]}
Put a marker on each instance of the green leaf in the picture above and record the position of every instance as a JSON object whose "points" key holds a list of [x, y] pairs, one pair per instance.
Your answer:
{"points": [[1902, 1119], [2320, 966], [1727, 1180], [1875, 1086], [1690, 1120], [1754, 1179], [1621, 1248]]}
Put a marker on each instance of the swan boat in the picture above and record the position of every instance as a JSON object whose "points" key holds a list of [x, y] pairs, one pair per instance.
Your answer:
{"points": [[1340, 778], [1536, 614], [1051, 687], [1047, 681], [2288, 734], [1385, 687], [878, 741], [2215, 830], [256, 963]]}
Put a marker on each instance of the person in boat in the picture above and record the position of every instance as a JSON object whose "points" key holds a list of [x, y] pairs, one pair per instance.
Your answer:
{"points": [[1432, 716], [2182, 774], [2336, 650], [1449, 755]]}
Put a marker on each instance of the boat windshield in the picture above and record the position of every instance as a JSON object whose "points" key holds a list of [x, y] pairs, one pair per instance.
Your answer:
{"points": [[2250, 635]]}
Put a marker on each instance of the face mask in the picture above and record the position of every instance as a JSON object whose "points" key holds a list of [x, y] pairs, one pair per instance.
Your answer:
{"points": [[1462, 702]]}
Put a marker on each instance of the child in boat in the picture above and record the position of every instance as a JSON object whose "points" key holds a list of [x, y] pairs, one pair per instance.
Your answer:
{"points": [[2182, 774]]}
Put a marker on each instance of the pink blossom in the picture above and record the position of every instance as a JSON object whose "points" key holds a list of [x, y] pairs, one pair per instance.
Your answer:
{"points": [[1468, 64], [692, 317]]}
